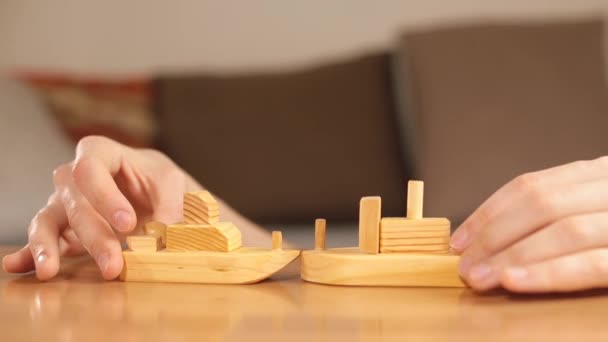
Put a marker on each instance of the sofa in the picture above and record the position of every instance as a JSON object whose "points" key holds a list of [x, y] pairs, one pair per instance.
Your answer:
{"points": [[463, 107]]}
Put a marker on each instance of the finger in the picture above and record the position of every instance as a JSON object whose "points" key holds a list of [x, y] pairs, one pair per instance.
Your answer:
{"points": [[98, 160], [564, 237], [572, 173], [69, 244], [18, 262], [92, 230], [537, 209], [581, 271], [43, 238], [41, 252], [168, 196]]}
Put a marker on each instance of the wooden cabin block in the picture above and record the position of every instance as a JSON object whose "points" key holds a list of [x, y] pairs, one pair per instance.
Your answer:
{"points": [[201, 208], [220, 237], [156, 228], [277, 240], [369, 224], [320, 227], [405, 235], [143, 243]]}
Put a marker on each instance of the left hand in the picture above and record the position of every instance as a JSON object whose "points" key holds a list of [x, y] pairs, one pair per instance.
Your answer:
{"points": [[545, 231]]}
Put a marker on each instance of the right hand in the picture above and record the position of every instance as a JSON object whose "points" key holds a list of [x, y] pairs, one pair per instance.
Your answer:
{"points": [[108, 191]]}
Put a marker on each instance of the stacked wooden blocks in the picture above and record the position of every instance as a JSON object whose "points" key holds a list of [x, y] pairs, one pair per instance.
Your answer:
{"points": [[399, 235], [411, 234], [200, 231]]}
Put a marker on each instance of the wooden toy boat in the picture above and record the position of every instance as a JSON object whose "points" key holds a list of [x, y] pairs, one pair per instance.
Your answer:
{"points": [[201, 250], [411, 251]]}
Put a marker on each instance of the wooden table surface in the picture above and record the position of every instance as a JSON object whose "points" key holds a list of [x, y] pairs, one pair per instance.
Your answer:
{"points": [[79, 306]]}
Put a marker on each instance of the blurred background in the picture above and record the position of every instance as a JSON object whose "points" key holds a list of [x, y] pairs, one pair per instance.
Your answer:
{"points": [[294, 110]]}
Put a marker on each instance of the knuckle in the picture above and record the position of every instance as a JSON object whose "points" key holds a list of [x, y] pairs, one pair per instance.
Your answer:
{"points": [[79, 170], [602, 161], [488, 244], [575, 229], [516, 255], [33, 228], [60, 173], [53, 199], [72, 211], [542, 201], [89, 142], [99, 246], [481, 217], [598, 261], [483, 214], [527, 182], [41, 218]]}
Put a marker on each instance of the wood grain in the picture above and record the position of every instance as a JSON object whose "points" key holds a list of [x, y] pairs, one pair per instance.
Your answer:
{"points": [[414, 234], [220, 237], [392, 224], [199, 217], [443, 240], [370, 210], [78, 305], [242, 266], [195, 205], [348, 266], [201, 208]]}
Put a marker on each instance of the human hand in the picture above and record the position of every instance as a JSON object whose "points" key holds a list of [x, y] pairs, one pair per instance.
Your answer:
{"points": [[109, 190], [545, 231]]}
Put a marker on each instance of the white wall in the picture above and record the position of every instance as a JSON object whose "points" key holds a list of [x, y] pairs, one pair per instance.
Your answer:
{"points": [[138, 36]]}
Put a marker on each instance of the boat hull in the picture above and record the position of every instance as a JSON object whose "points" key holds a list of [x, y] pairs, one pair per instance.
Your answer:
{"points": [[348, 266], [243, 266]]}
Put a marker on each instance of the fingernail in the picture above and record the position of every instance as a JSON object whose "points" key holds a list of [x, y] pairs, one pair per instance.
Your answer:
{"points": [[464, 266], [517, 274], [103, 262], [122, 220], [460, 239], [480, 273]]}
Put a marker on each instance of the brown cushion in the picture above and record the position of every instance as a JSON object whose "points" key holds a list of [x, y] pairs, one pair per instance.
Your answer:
{"points": [[494, 101], [288, 146]]}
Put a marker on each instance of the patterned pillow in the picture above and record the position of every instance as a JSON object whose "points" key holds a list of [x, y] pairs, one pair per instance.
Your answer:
{"points": [[116, 108]]}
